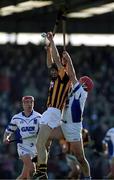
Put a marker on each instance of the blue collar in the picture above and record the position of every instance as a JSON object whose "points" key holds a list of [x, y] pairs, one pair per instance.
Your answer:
{"points": [[25, 115]]}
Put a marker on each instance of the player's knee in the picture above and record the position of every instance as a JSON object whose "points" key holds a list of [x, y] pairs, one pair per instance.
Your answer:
{"points": [[39, 145], [81, 159], [40, 136]]}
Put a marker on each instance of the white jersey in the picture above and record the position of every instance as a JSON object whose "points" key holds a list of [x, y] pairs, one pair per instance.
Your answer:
{"points": [[75, 104], [72, 113], [28, 126], [109, 138]]}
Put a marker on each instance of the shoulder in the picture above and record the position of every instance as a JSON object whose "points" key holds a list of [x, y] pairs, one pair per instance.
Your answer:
{"points": [[37, 114], [85, 93], [78, 91], [17, 116], [110, 131], [78, 87]]}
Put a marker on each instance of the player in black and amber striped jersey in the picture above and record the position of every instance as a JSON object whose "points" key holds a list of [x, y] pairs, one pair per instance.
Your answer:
{"points": [[58, 91], [59, 87]]}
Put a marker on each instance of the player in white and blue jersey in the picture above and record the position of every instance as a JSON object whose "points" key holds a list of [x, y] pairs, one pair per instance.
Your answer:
{"points": [[73, 112], [27, 122], [73, 115], [108, 145]]}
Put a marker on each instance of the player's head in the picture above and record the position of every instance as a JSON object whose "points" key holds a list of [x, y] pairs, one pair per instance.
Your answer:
{"points": [[87, 83], [28, 103], [53, 71], [25, 98]]}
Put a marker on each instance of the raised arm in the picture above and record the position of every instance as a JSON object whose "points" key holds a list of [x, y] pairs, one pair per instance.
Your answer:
{"points": [[49, 56], [70, 67], [55, 53]]}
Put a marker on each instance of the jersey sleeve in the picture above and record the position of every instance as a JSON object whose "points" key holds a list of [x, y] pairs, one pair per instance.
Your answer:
{"points": [[12, 126]]}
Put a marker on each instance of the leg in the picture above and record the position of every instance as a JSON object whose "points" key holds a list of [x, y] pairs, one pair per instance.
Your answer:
{"points": [[75, 169], [78, 150], [28, 168], [41, 145], [42, 140], [56, 133], [111, 174], [45, 135]]}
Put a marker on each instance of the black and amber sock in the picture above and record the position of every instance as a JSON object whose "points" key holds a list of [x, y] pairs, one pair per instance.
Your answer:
{"points": [[42, 167], [41, 172]]}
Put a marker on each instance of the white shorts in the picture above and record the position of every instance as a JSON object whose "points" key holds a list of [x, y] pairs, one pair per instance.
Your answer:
{"points": [[51, 117], [27, 149], [72, 131]]}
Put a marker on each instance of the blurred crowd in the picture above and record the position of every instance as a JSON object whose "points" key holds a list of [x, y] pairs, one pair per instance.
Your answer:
{"points": [[24, 72]]}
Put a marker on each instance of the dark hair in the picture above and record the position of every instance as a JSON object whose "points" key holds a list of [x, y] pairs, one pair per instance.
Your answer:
{"points": [[54, 66]]}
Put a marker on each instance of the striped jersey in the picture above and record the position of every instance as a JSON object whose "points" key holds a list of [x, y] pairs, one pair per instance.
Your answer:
{"points": [[58, 90], [28, 126], [75, 103], [109, 139]]}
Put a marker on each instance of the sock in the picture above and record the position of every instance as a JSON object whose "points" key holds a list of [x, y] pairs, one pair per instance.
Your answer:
{"points": [[42, 167]]}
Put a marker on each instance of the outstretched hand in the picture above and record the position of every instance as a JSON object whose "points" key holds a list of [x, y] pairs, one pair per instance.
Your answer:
{"points": [[50, 36]]}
